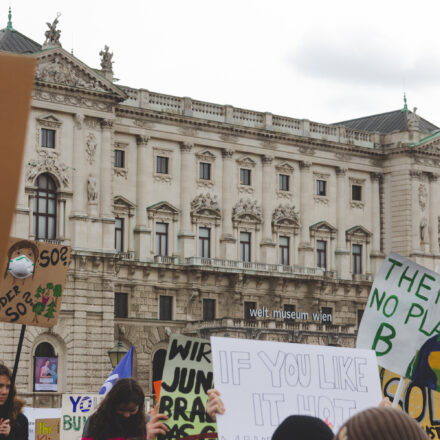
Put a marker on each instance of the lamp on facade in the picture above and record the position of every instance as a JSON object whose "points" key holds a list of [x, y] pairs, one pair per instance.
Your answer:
{"points": [[117, 353]]}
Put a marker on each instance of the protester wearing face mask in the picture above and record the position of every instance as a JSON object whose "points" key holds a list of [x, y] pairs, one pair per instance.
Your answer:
{"points": [[122, 415], [13, 424]]}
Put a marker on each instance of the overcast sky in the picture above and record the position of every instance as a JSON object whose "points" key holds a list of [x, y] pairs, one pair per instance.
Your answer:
{"points": [[322, 60]]}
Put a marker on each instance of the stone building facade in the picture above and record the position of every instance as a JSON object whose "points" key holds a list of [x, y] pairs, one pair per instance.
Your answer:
{"points": [[185, 216]]}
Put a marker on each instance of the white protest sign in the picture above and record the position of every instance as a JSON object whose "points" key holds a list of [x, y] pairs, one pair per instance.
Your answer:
{"points": [[39, 413], [76, 409], [402, 312], [262, 383]]}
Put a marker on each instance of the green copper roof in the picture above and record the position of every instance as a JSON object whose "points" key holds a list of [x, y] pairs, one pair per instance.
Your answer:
{"points": [[405, 106], [9, 25], [428, 138]]}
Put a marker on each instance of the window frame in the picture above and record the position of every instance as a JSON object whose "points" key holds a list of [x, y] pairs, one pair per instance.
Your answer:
{"points": [[158, 167], [208, 313], [203, 242], [246, 313], [321, 192], [358, 187], [51, 195], [292, 308], [284, 182], [119, 154], [117, 313], [161, 235], [245, 176], [205, 167], [321, 254], [356, 266], [162, 309], [119, 230], [284, 251], [243, 247], [44, 137]]}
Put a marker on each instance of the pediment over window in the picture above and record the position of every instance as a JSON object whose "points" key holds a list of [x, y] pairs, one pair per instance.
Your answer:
{"points": [[247, 211], [246, 161], [205, 205], [49, 121], [122, 202], [285, 168], [206, 156], [163, 209], [358, 232], [323, 227], [285, 215]]}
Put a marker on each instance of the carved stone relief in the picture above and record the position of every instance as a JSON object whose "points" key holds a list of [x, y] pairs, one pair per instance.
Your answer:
{"points": [[285, 215], [423, 195], [247, 210], [48, 162], [92, 190], [205, 204], [91, 145]]}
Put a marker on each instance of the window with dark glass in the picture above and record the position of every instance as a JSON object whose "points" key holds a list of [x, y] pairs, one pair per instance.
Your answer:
{"points": [[205, 171], [328, 312], [47, 138], [162, 239], [121, 309], [205, 242], [360, 314], [284, 251], [357, 258], [245, 176], [289, 312], [248, 306], [245, 246], [356, 192], [208, 309], [119, 234], [45, 211], [161, 165], [45, 359], [321, 187], [119, 158], [166, 308], [321, 254], [284, 182]]}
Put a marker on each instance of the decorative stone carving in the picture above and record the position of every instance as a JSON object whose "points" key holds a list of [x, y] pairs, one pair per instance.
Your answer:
{"points": [[227, 153], [143, 124], [106, 59], [48, 162], [343, 157], [247, 210], [186, 147], [91, 145], [286, 195], [285, 168], [427, 161], [208, 184], [423, 195], [206, 204], [120, 172], [423, 230], [246, 189], [310, 151], [107, 124], [305, 165], [246, 161], [322, 200], [79, 120], [416, 174], [285, 215], [412, 120], [357, 204], [92, 191], [341, 171], [206, 156], [267, 160], [52, 34]]}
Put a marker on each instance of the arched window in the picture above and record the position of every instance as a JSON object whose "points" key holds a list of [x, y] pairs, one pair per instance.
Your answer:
{"points": [[45, 368], [158, 364], [45, 211]]}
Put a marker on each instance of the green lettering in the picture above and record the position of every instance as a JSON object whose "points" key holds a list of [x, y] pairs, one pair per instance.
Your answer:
{"points": [[375, 296], [404, 277], [395, 263], [67, 423], [410, 314], [438, 296], [425, 275], [384, 338], [396, 302], [421, 329]]}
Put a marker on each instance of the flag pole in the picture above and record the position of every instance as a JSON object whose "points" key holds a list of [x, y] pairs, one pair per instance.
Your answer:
{"points": [[398, 392]]}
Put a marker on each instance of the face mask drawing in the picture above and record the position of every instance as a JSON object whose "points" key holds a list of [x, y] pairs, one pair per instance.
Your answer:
{"points": [[21, 267]]}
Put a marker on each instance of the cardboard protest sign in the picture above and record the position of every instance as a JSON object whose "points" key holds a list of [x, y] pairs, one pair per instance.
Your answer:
{"points": [[32, 282], [47, 429], [401, 314], [262, 383], [422, 404], [16, 82], [186, 378], [33, 414], [76, 409]]}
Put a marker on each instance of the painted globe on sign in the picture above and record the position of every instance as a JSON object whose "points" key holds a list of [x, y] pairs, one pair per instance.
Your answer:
{"points": [[21, 267]]}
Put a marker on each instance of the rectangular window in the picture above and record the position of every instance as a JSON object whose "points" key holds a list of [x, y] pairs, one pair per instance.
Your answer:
{"points": [[119, 158], [245, 176], [327, 314], [205, 171], [205, 242], [289, 312], [284, 251], [248, 306], [321, 187], [356, 193], [360, 313], [357, 258], [245, 246], [121, 309], [321, 254], [161, 165], [284, 182], [208, 309], [166, 308], [119, 234], [47, 138], [162, 239]]}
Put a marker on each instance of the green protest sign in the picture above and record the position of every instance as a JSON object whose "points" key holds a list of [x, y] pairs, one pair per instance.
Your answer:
{"points": [[186, 379]]}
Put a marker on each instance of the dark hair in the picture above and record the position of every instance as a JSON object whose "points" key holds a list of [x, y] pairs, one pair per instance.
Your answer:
{"points": [[105, 423], [23, 244], [13, 405]]}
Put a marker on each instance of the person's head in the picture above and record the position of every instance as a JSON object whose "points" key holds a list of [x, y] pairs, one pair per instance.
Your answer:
{"points": [[383, 423], [302, 428], [47, 363], [10, 405], [5, 384]]}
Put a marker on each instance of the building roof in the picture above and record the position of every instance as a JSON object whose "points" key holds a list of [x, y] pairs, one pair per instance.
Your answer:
{"points": [[387, 122], [14, 41]]}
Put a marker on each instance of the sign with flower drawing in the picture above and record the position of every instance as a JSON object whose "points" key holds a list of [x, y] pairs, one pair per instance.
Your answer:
{"points": [[32, 283]]}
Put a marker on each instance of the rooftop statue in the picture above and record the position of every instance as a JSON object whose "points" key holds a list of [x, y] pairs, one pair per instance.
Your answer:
{"points": [[106, 59], [52, 34]]}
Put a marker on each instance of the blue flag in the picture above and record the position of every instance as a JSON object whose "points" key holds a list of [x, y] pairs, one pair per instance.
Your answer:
{"points": [[123, 369]]}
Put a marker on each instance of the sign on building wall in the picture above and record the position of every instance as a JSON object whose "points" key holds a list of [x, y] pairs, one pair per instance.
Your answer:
{"points": [[186, 378], [46, 374], [32, 282], [47, 429], [262, 383]]}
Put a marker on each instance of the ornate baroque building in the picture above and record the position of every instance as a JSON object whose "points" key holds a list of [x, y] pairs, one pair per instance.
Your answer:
{"points": [[192, 217]]}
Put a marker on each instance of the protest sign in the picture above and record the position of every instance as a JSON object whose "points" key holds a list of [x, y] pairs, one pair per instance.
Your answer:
{"points": [[33, 414], [76, 409], [32, 282], [402, 312], [262, 383], [47, 429], [186, 378]]}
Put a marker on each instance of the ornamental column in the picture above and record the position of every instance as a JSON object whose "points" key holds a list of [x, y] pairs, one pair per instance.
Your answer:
{"points": [[268, 191], [305, 249], [227, 240], [418, 233], [376, 255], [434, 203], [107, 217], [342, 254], [186, 236], [144, 170]]}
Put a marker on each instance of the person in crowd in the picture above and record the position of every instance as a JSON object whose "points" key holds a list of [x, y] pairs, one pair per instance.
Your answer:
{"points": [[382, 423], [303, 428], [121, 414], [13, 423]]}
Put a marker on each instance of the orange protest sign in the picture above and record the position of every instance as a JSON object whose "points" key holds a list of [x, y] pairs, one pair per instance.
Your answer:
{"points": [[157, 384]]}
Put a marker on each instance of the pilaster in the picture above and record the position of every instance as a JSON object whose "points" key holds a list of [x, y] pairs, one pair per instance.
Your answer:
{"points": [[305, 249], [268, 254]]}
